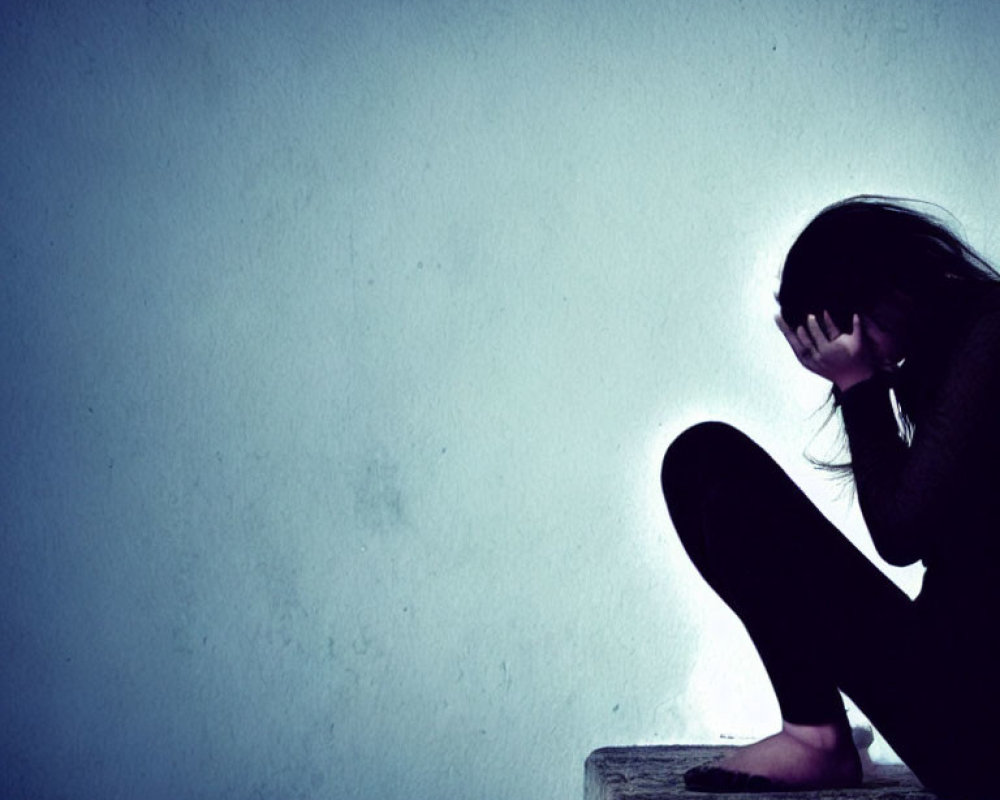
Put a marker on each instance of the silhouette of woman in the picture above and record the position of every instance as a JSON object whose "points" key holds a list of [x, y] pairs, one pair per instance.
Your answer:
{"points": [[903, 318]]}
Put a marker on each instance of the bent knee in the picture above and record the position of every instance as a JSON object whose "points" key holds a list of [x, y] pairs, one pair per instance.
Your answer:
{"points": [[701, 443], [709, 454]]}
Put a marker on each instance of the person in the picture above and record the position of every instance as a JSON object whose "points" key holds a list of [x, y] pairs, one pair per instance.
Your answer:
{"points": [[903, 318]]}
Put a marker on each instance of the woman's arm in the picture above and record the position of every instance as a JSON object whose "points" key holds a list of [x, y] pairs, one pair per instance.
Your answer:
{"points": [[911, 496]]}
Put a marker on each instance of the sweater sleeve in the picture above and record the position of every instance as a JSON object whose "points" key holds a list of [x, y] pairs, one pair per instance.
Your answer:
{"points": [[913, 495]]}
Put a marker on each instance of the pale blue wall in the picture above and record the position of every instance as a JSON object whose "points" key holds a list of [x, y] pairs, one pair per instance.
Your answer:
{"points": [[340, 343]]}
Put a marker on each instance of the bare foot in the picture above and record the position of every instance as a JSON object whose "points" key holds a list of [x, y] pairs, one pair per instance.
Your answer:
{"points": [[801, 757]]}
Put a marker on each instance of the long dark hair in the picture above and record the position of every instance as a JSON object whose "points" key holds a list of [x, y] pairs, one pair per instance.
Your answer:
{"points": [[869, 249]]}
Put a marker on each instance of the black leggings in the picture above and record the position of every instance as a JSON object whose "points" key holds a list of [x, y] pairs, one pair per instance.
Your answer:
{"points": [[823, 618]]}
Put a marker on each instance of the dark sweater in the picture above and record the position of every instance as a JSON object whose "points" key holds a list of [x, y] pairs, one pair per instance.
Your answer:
{"points": [[938, 498]]}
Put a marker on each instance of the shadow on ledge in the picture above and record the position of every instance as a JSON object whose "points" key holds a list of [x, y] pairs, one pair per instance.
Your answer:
{"points": [[656, 773]]}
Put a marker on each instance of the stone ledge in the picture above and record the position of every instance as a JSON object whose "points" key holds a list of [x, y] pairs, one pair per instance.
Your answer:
{"points": [[656, 773]]}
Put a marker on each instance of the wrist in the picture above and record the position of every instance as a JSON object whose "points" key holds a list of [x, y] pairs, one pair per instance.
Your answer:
{"points": [[845, 382]]}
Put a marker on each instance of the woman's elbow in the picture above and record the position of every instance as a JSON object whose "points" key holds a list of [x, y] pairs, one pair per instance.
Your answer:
{"points": [[898, 547], [898, 557]]}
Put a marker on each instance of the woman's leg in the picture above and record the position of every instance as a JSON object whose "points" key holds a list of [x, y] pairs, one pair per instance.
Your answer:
{"points": [[821, 615]]}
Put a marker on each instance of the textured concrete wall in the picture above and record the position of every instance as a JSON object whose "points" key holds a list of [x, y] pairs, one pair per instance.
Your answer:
{"points": [[340, 342]]}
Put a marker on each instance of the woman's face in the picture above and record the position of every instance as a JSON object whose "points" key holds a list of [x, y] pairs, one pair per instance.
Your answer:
{"points": [[887, 327]]}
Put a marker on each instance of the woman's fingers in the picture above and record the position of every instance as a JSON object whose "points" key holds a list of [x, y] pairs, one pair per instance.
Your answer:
{"points": [[831, 327], [806, 341], [799, 340], [818, 336], [785, 330], [801, 351], [782, 325]]}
